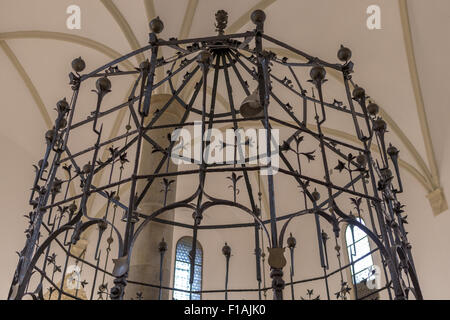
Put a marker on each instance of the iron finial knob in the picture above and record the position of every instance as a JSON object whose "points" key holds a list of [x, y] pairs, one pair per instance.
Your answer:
{"points": [[344, 54], [359, 93], [317, 74], [373, 109], [156, 25], [226, 250], [258, 16], [291, 241], [392, 151], [103, 84], [162, 247], [221, 21], [78, 65]]}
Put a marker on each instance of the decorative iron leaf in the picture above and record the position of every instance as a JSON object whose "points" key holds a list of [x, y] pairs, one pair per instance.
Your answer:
{"points": [[309, 155], [356, 202], [340, 166]]}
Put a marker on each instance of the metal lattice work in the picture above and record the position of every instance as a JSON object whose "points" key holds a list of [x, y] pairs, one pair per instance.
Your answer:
{"points": [[336, 182]]}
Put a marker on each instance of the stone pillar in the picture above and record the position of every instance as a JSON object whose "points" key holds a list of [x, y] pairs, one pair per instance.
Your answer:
{"points": [[145, 259], [72, 279]]}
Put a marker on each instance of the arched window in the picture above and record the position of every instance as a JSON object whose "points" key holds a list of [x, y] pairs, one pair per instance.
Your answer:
{"points": [[357, 247], [183, 269]]}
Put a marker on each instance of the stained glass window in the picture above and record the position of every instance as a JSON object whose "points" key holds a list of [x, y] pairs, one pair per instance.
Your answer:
{"points": [[182, 270], [358, 246]]}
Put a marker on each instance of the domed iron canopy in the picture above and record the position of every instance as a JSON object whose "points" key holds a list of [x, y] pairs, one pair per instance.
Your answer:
{"points": [[57, 220]]}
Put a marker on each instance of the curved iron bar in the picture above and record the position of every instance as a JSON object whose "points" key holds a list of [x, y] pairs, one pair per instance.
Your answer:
{"points": [[333, 221], [24, 283], [218, 202], [180, 204], [69, 254]]}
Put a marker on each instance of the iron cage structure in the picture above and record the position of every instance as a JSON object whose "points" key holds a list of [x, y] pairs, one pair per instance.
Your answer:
{"points": [[367, 168]]}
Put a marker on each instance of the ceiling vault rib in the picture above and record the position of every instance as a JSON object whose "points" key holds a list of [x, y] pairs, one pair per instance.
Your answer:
{"points": [[29, 84], [61, 36], [245, 18], [124, 26], [150, 12], [436, 197], [187, 25], [407, 37], [188, 19], [150, 9], [32, 89], [408, 144]]}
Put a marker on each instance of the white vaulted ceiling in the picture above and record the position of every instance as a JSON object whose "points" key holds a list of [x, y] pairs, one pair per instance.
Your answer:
{"points": [[403, 67]]}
